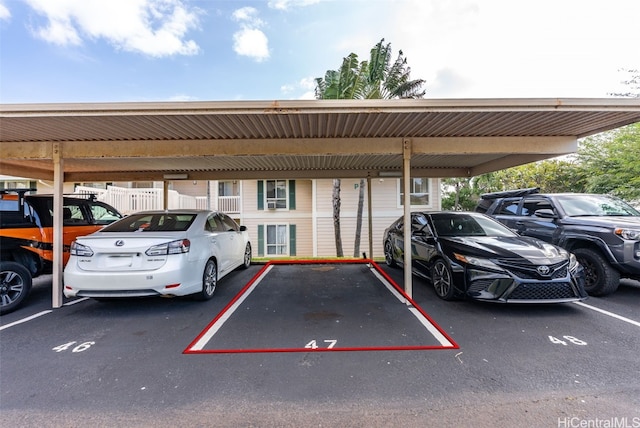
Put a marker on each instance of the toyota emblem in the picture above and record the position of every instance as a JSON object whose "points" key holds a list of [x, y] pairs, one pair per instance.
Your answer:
{"points": [[120, 243], [543, 270]]}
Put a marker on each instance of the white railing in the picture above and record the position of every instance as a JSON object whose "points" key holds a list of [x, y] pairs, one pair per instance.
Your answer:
{"points": [[202, 203], [229, 204], [128, 200]]}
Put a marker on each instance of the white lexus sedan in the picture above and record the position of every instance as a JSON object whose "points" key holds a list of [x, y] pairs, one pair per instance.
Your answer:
{"points": [[157, 253]]}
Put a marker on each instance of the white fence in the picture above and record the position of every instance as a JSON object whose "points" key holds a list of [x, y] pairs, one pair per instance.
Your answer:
{"points": [[128, 200], [228, 204]]}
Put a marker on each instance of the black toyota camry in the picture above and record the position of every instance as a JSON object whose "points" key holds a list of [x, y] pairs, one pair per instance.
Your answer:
{"points": [[466, 254]]}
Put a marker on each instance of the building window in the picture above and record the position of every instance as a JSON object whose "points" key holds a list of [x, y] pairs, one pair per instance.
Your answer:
{"points": [[276, 194], [420, 191], [228, 188], [277, 239]]}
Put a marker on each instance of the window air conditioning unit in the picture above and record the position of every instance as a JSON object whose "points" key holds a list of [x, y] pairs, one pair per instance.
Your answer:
{"points": [[271, 205]]}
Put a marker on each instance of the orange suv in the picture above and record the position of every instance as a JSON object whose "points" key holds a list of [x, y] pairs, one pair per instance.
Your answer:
{"points": [[26, 237]]}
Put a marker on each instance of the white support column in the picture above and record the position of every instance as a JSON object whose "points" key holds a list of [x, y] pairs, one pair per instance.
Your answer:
{"points": [[58, 243], [370, 216], [406, 175], [314, 216]]}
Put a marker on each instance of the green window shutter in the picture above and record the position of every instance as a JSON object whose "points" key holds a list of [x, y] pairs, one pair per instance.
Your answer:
{"points": [[292, 239], [261, 240], [260, 195], [292, 194]]}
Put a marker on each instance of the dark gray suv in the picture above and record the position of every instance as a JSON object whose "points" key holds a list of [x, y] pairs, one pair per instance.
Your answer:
{"points": [[602, 231]]}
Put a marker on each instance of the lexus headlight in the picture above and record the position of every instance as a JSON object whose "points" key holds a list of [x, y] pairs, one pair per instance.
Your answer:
{"points": [[630, 234]]}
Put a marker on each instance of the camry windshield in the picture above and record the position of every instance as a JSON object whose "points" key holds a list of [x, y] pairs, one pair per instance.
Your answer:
{"points": [[165, 222], [595, 205], [450, 224]]}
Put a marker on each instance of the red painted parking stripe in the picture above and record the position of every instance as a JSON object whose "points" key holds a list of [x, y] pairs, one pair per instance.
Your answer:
{"points": [[198, 344]]}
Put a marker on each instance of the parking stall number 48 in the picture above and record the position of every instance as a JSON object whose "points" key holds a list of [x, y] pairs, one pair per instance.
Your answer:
{"points": [[570, 339]]}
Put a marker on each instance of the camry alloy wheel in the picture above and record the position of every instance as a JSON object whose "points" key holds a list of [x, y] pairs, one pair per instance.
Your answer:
{"points": [[442, 280], [388, 254]]}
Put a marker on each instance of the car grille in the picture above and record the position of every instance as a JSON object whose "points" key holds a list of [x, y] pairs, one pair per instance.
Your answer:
{"points": [[543, 291], [528, 271]]}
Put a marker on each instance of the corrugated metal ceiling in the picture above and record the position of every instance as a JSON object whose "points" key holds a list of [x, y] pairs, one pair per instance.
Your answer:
{"points": [[297, 138]]}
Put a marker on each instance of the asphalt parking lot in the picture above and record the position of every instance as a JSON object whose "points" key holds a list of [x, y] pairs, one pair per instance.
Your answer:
{"points": [[320, 345]]}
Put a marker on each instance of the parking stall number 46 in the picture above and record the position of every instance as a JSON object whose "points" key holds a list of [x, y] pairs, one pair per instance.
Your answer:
{"points": [[78, 348], [570, 339]]}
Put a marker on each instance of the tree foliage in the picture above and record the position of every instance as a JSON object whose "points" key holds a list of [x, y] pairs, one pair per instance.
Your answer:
{"points": [[632, 83], [377, 78], [611, 162]]}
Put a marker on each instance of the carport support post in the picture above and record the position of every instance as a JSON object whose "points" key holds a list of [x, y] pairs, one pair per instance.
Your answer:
{"points": [[58, 201], [370, 216], [406, 175], [165, 195]]}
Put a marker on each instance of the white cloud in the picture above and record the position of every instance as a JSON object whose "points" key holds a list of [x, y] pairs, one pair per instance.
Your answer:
{"points": [[506, 48], [182, 98], [250, 41], [288, 4], [5, 14], [151, 27], [306, 87]]}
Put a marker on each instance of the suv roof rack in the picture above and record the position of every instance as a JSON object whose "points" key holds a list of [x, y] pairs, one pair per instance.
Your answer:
{"points": [[18, 191], [89, 196], [511, 193]]}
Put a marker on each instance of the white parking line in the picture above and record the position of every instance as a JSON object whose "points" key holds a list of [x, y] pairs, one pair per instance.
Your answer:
{"points": [[213, 329], [39, 314], [73, 302], [431, 328], [611, 314], [386, 283], [424, 321]]}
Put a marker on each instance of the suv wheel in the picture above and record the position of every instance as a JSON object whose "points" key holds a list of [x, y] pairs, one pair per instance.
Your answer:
{"points": [[15, 284], [601, 279]]}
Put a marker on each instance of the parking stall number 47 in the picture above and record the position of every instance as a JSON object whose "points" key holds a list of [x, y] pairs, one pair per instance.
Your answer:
{"points": [[314, 344], [569, 339]]}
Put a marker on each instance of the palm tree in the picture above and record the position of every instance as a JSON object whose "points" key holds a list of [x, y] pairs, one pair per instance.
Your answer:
{"points": [[378, 78]]}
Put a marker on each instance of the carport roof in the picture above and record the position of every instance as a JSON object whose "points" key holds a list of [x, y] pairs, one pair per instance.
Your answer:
{"points": [[297, 139]]}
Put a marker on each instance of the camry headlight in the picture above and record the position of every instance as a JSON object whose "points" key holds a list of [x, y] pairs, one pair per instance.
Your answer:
{"points": [[630, 234], [477, 261]]}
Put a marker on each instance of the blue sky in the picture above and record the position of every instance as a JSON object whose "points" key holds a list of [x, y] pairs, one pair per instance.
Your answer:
{"points": [[210, 50]]}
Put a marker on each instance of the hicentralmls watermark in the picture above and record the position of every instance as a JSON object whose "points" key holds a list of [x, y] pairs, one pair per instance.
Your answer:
{"points": [[613, 422]]}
